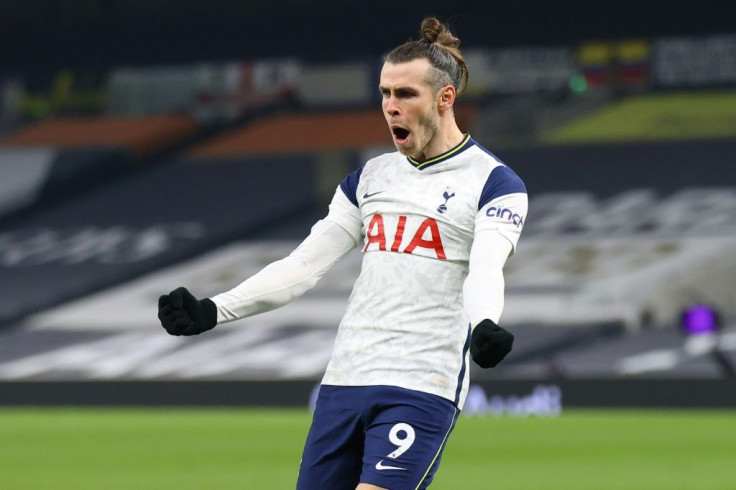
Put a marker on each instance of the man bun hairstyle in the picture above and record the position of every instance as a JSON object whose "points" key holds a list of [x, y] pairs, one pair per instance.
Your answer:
{"points": [[441, 48]]}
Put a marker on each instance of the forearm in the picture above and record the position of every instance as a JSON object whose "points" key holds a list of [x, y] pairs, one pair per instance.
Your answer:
{"points": [[483, 290], [286, 279]]}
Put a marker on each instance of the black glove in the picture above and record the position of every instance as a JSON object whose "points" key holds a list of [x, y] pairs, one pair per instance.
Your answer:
{"points": [[489, 344], [183, 314]]}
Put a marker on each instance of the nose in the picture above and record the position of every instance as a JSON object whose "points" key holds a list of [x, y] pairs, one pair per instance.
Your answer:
{"points": [[390, 106]]}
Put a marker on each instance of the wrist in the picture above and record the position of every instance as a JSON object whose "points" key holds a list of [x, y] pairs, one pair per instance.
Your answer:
{"points": [[209, 313]]}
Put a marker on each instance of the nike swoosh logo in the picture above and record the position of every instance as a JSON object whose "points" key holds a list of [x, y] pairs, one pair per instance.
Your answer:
{"points": [[380, 467], [366, 195]]}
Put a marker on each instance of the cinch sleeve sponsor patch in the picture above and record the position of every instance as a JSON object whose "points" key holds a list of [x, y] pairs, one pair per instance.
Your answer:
{"points": [[505, 214]]}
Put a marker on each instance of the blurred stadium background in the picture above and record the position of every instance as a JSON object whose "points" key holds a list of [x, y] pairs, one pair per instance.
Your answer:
{"points": [[150, 144]]}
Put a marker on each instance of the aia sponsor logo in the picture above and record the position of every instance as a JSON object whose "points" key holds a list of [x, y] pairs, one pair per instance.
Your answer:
{"points": [[426, 235]]}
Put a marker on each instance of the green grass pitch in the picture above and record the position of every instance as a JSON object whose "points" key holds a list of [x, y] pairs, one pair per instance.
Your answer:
{"points": [[216, 449]]}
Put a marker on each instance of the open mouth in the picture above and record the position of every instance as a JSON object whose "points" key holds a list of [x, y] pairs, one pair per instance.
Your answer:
{"points": [[400, 134]]}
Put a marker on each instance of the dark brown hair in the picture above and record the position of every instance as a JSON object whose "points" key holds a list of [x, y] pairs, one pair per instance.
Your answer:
{"points": [[441, 48]]}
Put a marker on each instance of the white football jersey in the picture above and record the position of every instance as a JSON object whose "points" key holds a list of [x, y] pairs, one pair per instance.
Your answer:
{"points": [[405, 324]]}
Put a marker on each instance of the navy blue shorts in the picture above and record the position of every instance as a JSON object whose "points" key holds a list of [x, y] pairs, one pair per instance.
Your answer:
{"points": [[383, 435]]}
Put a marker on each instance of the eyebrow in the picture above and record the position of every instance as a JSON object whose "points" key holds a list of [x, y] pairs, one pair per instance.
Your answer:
{"points": [[400, 89]]}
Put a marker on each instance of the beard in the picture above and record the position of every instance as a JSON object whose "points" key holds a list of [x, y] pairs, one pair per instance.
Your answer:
{"points": [[429, 123]]}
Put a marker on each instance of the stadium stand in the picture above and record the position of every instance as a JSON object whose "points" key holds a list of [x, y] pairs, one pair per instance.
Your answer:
{"points": [[619, 255], [299, 133], [57, 158], [140, 135], [202, 173]]}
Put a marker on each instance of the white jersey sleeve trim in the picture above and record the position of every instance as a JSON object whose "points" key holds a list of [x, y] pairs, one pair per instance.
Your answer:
{"points": [[346, 214], [285, 280], [483, 290], [506, 214]]}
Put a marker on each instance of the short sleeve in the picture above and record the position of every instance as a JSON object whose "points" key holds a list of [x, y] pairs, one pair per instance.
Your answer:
{"points": [[346, 214], [349, 186], [503, 204]]}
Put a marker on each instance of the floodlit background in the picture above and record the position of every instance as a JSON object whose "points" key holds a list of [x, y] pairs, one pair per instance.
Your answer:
{"points": [[146, 145]]}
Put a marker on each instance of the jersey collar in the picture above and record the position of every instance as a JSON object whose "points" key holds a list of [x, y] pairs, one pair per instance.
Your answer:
{"points": [[466, 143]]}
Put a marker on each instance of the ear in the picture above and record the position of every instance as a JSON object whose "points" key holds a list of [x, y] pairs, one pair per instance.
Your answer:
{"points": [[446, 98]]}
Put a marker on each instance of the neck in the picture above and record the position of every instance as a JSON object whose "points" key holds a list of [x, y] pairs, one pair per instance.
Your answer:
{"points": [[445, 139]]}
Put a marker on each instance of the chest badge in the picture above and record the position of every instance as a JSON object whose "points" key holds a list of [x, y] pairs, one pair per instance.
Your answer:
{"points": [[443, 207]]}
